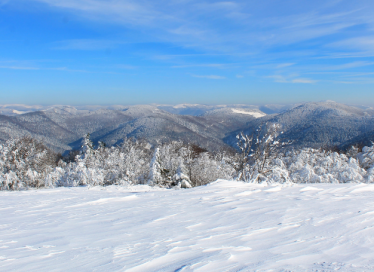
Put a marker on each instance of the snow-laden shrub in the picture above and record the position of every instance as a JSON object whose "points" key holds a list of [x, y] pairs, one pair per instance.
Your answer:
{"points": [[319, 166], [366, 157], [366, 161], [178, 164], [259, 159], [310, 166], [25, 163], [206, 168], [168, 164], [278, 173], [123, 165]]}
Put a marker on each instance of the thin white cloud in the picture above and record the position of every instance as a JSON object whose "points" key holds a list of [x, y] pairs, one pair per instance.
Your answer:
{"points": [[19, 68], [209, 76], [303, 80], [230, 26], [284, 65], [212, 65], [126, 66], [86, 44], [343, 82], [67, 69], [3, 2], [345, 66], [291, 79], [359, 43]]}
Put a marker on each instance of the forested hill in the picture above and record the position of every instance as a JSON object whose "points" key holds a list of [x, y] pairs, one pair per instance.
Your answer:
{"points": [[212, 127], [62, 128], [323, 124]]}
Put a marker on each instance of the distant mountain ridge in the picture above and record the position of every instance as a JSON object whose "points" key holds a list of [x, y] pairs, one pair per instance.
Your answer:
{"points": [[180, 109], [316, 124], [63, 127], [213, 127]]}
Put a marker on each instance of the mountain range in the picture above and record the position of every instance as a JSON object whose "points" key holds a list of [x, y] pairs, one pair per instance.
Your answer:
{"points": [[212, 127]]}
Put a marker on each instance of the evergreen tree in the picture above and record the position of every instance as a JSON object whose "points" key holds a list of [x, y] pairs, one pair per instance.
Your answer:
{"points": [[155, 176]]}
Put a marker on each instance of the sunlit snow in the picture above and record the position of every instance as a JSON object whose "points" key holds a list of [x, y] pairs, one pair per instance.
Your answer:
{"points": [[224, 226], [19, 112], [253, 113]]}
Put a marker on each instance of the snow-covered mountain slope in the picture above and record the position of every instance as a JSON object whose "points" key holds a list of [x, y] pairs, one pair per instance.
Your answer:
{"points": [[180, 109], [199, 109], [316, 124], [311, 124], [364, 139], [224, 226], [62, 127], [276, 108], [16, 109]]}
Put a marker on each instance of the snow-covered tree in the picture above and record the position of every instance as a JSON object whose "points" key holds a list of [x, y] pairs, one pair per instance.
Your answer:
{"points": [[25, 163], [316, 166], [155, 173], [258, 152], [181, 179]]}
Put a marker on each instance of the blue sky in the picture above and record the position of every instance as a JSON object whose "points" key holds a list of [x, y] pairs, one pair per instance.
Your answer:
{"points": [[186, 51]]}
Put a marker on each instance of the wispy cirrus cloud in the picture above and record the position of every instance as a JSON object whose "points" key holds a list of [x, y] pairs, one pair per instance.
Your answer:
{"points": [[273, 37], [291, 79], [346, 66], [211, 65], [19, 68], [126, 66], [365, 43], [86, 44], [303, 80], [284, 65], [3, 2], [66, 69], [226, 26], [209, 76]]}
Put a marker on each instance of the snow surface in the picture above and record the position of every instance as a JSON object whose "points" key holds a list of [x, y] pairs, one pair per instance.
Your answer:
{"points": [[253, 113], [224, 226]]}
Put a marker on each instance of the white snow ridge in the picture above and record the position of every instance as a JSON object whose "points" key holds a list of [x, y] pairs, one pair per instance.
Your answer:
{"points": [[223, 226]]}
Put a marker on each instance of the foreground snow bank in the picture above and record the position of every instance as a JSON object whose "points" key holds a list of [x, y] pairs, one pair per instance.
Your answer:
{"points": [[224, 226]]}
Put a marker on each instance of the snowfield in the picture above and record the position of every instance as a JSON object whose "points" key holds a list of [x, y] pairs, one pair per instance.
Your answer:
{"points": [[223, 226]]}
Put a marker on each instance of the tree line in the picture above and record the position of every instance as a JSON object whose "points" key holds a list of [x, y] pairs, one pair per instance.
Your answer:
{"points": [[262, 157]]}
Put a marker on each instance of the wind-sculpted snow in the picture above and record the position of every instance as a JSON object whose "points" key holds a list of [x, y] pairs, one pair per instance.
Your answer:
{"points": [[224, 226]]}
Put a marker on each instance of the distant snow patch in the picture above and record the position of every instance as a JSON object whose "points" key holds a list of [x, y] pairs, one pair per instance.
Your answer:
{"points": [[182, 106], [20, 112], [253, 113]]}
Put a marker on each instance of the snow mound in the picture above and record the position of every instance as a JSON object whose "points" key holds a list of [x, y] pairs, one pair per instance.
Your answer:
{"points": [[223, 226]]}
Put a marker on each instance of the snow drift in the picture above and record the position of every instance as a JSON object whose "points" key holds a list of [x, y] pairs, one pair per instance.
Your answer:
{"points": [[223, 226]]}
